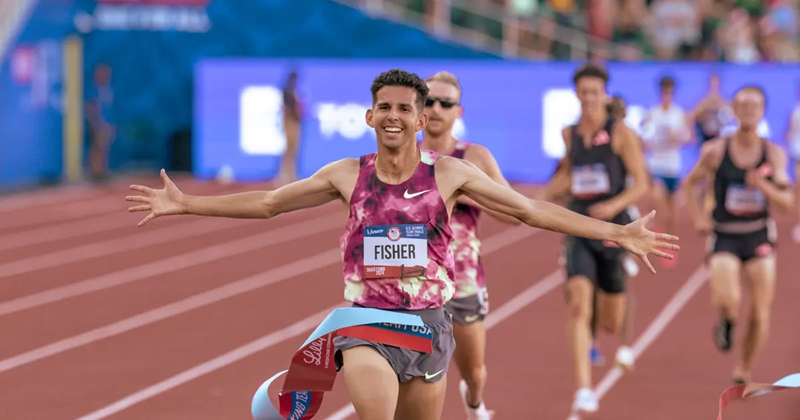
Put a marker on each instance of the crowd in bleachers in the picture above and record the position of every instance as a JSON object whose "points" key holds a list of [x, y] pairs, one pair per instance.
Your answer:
{"points": [[741, 31]]}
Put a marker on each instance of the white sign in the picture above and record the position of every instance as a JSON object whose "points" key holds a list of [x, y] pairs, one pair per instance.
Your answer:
{"points": [[261, 121], [561, 108]]}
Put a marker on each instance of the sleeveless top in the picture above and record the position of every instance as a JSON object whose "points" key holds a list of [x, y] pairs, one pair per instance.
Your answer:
{"points": [[735, 201], [396, 248], [466, 246], [598, 173]]}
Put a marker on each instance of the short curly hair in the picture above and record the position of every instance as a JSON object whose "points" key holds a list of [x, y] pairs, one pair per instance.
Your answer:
{"points": [[590, 69], [397, 77]]}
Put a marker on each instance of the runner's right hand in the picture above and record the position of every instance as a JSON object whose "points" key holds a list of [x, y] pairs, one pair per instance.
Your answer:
{"points": [[703, 225], [166, 201]]}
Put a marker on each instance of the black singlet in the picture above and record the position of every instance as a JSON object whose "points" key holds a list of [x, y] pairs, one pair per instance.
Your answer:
{"points": [[598, 173], [735, 200]]}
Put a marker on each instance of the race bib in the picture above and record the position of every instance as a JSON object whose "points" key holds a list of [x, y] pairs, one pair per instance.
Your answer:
{"points": [[394, 251], [590, 180], [744, 200]]}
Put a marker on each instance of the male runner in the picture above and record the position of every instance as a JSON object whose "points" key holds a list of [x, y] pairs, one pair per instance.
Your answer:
{"points": [[470, 303], [600, 153], [749, 176], [664, 132], [616, 108], [408, 194]]}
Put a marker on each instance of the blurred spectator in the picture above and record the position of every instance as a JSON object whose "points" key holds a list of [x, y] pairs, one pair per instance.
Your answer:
{"points": [[292, 121], [99, 103], [741, 31]]}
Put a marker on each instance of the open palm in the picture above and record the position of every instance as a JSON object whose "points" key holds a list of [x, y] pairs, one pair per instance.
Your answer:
{"points": [[641, 242], [164, 202]]}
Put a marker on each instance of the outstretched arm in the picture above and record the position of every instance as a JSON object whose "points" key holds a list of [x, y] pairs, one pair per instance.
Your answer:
{"points": [[634, 237], [487, 163], [310, 192]]}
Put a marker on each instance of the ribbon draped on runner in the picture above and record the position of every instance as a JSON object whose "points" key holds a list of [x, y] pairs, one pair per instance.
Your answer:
{"points": [[738, 392], [312, 371]]}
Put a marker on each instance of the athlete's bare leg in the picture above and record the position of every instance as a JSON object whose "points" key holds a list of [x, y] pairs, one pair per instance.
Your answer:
{"points": [[611, 311], [669, 206], [580, 291], [662, 204], [726, 294], [761, 279], [469, 356], [371, 383], [421, 400], [627, 322]]}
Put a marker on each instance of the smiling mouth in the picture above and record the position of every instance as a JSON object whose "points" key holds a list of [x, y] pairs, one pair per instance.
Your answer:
{"points": [[393, 130]]}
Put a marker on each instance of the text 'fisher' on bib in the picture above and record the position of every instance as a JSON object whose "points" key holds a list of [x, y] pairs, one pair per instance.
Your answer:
{"points": [[743, 391], [312, 370], [395, 251]]}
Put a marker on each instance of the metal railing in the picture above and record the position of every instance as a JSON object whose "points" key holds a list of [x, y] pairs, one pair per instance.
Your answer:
{"points": [[500, 30]]}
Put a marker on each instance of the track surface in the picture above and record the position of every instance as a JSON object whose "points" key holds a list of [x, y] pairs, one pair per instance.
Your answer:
{"points": [[185, 318]]}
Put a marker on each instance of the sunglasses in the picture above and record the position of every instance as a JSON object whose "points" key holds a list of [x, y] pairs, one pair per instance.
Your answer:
{"points": [[444, 103]]}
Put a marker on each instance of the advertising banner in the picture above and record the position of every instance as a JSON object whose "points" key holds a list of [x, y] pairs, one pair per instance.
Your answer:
{"points": [[516, 109]]}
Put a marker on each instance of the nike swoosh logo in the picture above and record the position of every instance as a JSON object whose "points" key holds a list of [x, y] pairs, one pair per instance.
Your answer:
{"points": [[470, 318], [429, 376], [407, 195]]}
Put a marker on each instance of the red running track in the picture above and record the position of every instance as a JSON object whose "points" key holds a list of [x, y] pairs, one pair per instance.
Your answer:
{"points": [[186, 318]]}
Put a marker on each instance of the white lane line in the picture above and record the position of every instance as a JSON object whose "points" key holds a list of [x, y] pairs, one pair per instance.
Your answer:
{"points": [[516, 304], [492, 243], [172, 264]]}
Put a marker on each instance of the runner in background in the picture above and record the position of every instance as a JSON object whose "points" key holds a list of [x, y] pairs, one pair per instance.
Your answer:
{"points": [[664, 132], [292, 122], [711, 114], [470, 302], [100, 116], [749, 175], [600, 152], [559, 192], [617, 109]]}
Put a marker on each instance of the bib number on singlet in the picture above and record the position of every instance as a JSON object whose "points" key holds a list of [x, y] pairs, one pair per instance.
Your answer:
{"points": [[394, 251], [590, 180], [743, 200]]}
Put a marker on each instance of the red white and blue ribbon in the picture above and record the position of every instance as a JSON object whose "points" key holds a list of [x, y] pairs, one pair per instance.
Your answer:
{"points": [[738, 392], [312, 371]]}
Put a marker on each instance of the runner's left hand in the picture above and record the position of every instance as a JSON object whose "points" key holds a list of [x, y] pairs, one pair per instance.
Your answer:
{"points": [[640, 241]]}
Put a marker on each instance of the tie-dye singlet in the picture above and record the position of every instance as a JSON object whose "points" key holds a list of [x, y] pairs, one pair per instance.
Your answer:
{"points": [[396, 247], [466, 246]]}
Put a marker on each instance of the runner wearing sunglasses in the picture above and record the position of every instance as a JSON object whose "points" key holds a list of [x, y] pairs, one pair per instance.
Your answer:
{"points": [[470, 302]]}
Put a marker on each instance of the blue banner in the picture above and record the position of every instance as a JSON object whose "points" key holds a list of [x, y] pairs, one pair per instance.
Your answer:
{"points": [[516, 109], [31, 97]]}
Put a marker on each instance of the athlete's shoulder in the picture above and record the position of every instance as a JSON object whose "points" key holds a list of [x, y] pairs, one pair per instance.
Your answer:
{"points": [[345, 165], [452, 166], [477, 152], [775, 152]]}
